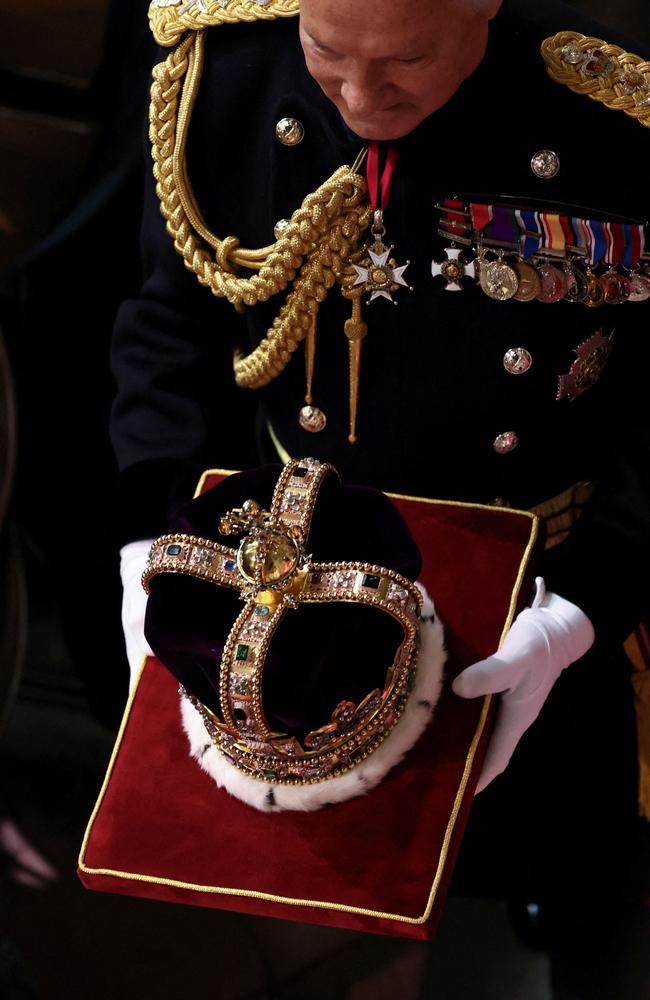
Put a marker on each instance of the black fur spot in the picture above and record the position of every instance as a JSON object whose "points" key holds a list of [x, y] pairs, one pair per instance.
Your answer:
{"points": [[270, 797], [204, 750], [424, 703]]}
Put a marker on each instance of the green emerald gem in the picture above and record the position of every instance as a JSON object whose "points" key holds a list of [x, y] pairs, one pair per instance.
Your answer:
{"points": [[262, 610], [242, 651], [371, 581], [300, 472]]}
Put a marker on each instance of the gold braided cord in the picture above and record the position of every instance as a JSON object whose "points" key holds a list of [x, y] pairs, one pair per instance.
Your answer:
{"points": [[322, 234], [608, 90], [297, 316], [170, 19]]}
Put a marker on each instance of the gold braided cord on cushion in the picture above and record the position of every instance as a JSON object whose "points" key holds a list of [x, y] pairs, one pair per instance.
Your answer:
{"points": [[170, 19], [316, 245], [609, 90]]}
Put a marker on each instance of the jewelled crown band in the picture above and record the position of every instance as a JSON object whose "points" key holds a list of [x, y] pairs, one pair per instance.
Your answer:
{"points": [[274, 574]]}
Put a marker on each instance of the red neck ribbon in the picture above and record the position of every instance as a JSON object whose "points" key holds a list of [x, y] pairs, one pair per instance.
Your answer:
{"points": [[379, 189]]}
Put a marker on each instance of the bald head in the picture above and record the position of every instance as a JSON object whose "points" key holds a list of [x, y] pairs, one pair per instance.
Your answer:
{"points": [[387, 65]]}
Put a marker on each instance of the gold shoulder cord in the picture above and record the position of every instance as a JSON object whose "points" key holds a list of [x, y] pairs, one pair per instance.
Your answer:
{"points": [[170, 19], [313, 252], [607, 73]]}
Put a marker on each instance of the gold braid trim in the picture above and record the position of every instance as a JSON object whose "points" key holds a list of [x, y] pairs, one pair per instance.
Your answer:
{"points": [[318, 242], [609, 90], [170, 19]]}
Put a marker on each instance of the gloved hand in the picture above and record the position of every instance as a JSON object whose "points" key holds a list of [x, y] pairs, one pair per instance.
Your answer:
{"points": [[543, 640], [133, 559]]}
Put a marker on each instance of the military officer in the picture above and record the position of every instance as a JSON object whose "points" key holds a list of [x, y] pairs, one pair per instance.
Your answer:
{"points": [[423, 233]]}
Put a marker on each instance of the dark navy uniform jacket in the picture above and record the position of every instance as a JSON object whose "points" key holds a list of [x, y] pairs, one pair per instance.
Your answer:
{"points": [[434, 390]]}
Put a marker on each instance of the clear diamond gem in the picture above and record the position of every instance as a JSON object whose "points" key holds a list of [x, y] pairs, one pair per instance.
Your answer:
{"points": [[397, 593], [292, 501], [239, 684], [202, 557], [572, 54], [344, 579]]}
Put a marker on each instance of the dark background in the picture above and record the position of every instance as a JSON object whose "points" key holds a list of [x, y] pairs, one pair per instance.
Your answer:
{"points": [[73, 97]]}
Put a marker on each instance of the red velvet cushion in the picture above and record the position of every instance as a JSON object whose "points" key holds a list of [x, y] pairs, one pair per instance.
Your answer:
{"points": [[380, 863]]}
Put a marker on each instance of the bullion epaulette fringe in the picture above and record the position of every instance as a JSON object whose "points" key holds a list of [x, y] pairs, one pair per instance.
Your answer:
{"points": [[170, 19], [606, 73]]}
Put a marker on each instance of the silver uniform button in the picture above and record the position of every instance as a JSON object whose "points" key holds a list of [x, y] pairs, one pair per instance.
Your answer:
{"points": [[505, 442], [545, 164], [280, 227], [289, 131], [312, 419], [517, 360]]}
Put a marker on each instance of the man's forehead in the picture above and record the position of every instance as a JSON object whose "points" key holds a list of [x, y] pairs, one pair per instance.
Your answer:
{"points": [[341, 10], [347, 21]]}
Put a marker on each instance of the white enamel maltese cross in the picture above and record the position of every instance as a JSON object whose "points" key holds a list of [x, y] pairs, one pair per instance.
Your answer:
{"points": [[380, 274], [452, 269]]}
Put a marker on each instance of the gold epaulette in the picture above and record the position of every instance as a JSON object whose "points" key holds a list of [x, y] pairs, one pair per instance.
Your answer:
{"points": [[607, 73], [170, 19]]}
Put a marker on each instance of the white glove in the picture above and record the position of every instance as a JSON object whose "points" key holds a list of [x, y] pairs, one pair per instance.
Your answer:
{"points": [[133, 559], [543, 640]]}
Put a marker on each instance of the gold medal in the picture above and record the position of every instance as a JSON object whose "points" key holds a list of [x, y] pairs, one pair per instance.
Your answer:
{"points": [[529, 282], [498, 280]]}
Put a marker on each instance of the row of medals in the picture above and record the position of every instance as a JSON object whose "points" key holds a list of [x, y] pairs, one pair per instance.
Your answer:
{"points": [[541, 279]]}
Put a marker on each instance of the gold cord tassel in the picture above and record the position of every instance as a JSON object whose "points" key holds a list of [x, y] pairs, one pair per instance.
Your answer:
{"points": [[355, 331], [310, 358]]}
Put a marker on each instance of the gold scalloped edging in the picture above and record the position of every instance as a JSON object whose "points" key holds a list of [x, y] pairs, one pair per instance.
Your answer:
{"points": [[609, 90], [313, 251], [320, 904], [170, 19]]}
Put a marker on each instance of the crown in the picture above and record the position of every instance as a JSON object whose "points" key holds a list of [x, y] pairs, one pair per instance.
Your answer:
{"points": [[273, 574]]}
